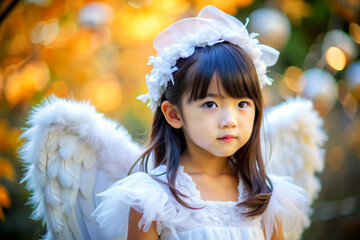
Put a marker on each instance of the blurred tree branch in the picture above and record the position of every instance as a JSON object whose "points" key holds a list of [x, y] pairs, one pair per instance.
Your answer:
{"points": [[7, 9]]}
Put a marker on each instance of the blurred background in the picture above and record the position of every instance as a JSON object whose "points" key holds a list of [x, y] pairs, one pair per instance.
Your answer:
{"points": [[97, 51]]}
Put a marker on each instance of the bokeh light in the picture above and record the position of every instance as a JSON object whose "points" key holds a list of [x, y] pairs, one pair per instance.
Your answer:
{"points": [[58, 88], [321, 88], [275, 34], [354, 30], [293, 80], [229, 6], [23, 83], [341, 40], [105, 93], [335, 58]]}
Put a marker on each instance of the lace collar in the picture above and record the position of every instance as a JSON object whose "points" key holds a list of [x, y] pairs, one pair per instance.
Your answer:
{"points": [[185, 184]]}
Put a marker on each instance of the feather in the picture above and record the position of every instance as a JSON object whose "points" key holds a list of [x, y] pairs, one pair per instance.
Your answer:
{"points": [[89, 161], [65, 174], [55, 218], [42, 160], [87, 206], [68, 146], [41, 168], [73, 225], [52, 142], [52, 193], [68, 199], [53, 165], [87, 181], [81, 152]]}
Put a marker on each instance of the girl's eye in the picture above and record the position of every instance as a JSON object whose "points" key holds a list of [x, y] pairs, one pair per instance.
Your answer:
{"points": [[210, 105], [243, 104]]}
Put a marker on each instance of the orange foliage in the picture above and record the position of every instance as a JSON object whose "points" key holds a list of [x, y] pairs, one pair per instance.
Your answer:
{"points": [[5, 201], [7, 170]]}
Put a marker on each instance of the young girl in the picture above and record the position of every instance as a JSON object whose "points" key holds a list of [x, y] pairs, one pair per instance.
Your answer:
{"points": [[209, 180]]}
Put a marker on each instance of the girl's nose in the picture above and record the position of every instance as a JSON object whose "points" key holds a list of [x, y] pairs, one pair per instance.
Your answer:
{"points": [[228, 124], [228, 121]]}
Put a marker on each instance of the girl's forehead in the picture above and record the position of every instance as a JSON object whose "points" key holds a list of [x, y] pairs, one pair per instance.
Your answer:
{"points": [[216, 87]]}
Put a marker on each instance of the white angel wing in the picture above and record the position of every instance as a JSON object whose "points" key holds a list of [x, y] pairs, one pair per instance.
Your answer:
{"points": [[71, 153], [293, 134]]}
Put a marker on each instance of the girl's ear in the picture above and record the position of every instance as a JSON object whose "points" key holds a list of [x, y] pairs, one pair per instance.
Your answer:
{"points": [[171, 114]]}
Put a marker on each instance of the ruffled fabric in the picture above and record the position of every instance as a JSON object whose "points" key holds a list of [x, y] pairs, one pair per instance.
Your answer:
{"points": [[289, 204], [146, 196], [214, 220]]}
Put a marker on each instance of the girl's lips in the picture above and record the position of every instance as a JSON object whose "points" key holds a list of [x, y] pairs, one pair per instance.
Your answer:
{"points": [[227, 138]]}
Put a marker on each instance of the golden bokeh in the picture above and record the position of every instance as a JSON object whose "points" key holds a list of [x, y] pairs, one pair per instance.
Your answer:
{"points": [[1, 82], [139, 3], [136, 25], [7, 170], [292, 79], [58, 88], [229, 6], [354, 30], [350, 105], [296, 10], [25, 81], [105, 93], [5, 201], [336, 58], [19, 45]]}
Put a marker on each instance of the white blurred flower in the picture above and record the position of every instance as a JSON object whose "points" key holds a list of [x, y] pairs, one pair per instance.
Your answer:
{"points": [[96, 14]]}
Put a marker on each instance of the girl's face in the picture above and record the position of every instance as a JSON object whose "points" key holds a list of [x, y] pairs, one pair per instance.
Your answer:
{"points": [[217, 124]]}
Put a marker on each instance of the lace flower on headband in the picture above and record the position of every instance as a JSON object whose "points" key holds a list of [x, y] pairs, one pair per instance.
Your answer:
{"points": [[179, 40]]}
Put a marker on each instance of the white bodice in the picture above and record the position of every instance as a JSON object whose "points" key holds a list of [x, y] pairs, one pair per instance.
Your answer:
{"points": [[211, 219]]}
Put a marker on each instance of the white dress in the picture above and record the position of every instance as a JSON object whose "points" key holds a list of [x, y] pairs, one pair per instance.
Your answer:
{"points": [[213, 219]]}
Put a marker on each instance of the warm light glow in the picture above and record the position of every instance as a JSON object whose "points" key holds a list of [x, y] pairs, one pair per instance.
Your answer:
{"points": [[58, 88], [229, 6], [19, 45], [139, 3], [81, 45], [292, 79], [335, 158], [23, 83], [7, 170], [336, 58], [354, 30], [146, 26], [1, 82], [350, 105], [133, 25], [296, 10], [170, 7], [105, 93], [5, 201], [284, 90], [45, 32]]}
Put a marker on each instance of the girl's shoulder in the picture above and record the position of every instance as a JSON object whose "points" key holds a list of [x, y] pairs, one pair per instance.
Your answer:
{"points": [[141, 192], [289, 204]]}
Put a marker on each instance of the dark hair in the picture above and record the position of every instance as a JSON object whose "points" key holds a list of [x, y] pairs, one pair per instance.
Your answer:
{"points": [[238, 76]]}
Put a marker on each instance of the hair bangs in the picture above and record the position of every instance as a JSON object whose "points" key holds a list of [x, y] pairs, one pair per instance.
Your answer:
{"points": [[230, 65]]}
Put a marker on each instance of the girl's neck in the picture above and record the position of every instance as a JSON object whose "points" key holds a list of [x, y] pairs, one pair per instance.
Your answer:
{"points": [[210, 165]]}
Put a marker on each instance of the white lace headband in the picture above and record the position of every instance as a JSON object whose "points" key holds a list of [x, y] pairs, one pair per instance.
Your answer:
{"points": [[179, 40]]}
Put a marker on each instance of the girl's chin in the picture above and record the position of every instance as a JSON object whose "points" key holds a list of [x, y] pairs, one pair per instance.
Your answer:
{"points": [[224, 154]]}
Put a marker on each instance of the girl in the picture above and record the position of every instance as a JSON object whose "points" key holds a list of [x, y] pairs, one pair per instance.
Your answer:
{"points": [[209, 180]]}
